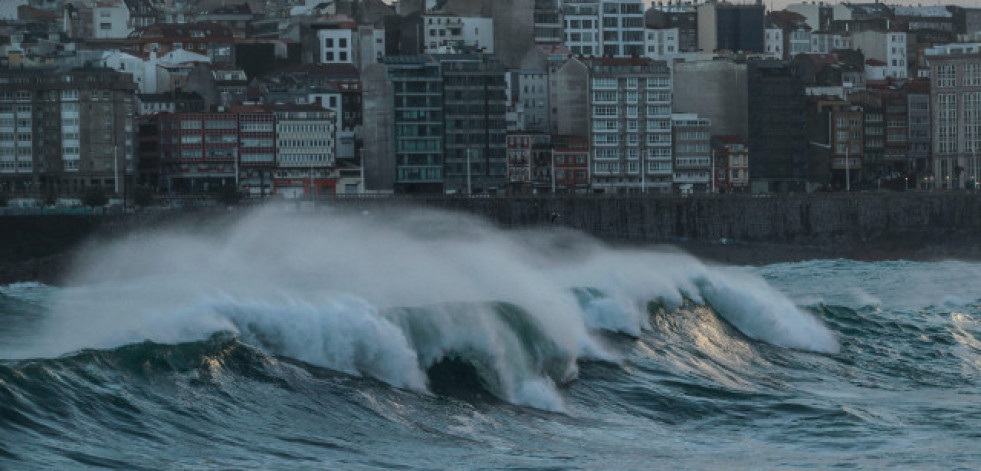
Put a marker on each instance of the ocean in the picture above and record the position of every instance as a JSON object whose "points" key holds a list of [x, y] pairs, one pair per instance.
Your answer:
{"points": [[424, 340]]}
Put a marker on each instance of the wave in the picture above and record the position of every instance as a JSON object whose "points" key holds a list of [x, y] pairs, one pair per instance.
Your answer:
{"points": [[392, 296]]}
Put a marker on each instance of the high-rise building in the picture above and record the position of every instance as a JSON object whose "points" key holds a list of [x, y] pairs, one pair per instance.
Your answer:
{"points": [[450, 123], [61, 132], [630, 125], [475, 127], [777, 128]]}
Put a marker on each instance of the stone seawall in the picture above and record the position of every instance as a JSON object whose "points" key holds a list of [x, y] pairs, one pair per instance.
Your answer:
{"points": [[853, 219], [743, 230]]}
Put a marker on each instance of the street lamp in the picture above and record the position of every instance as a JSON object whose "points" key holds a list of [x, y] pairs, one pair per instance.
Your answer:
{"points": [[469, 187]]}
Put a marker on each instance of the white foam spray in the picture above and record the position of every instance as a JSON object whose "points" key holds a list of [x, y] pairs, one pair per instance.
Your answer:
{"points": [[328, 289]]}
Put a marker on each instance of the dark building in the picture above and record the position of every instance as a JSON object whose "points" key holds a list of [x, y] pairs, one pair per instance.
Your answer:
{"points": [[148, 151], [965, 20], [777, 128], [475, 106], [404, 35], [872, 105], [685, 18], [450, 127], [418, 123], [61, 132], [732, 27], [548, 22]]}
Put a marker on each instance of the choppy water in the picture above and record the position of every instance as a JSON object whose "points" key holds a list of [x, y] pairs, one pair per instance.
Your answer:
{"points": [[426, 341]]}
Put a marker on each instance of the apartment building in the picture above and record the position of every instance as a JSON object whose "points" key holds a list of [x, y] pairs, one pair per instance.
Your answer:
{"points": [[475, 125], [571, 156], [528, 99], [630, 125], [62, 132], [530, 163], [607, 28], [955, 106], [548, 22], [305, 161], [449, 33], [692, 166], [776, 127], [731, 164]]}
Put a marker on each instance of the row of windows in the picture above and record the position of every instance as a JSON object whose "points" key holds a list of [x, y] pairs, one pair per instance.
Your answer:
{"points": [[8, 108], [294, 143], [288, 128]]}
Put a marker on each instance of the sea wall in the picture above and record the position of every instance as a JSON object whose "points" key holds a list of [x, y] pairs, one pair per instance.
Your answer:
{"points": [[731, 229], [852, 219]]}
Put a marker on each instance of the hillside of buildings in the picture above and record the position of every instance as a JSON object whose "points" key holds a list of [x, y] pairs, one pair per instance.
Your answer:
{"points": [[298, 99]]}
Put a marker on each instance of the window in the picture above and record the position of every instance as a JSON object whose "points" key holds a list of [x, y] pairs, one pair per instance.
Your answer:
{"points": [[946, 75], [972, 75]]}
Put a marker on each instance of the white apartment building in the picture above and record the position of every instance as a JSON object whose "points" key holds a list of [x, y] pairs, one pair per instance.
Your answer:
{"points": [[446, 33], [607, 28], [581, 18], [622, 28], [661, 44], [630, 125]]}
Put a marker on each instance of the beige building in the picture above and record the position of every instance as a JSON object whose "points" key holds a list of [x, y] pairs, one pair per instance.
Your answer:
{"points": [[955, 108]]}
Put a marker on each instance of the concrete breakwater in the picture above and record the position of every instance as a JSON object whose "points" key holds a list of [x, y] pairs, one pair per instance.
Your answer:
{"points": [[732, 229]]}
